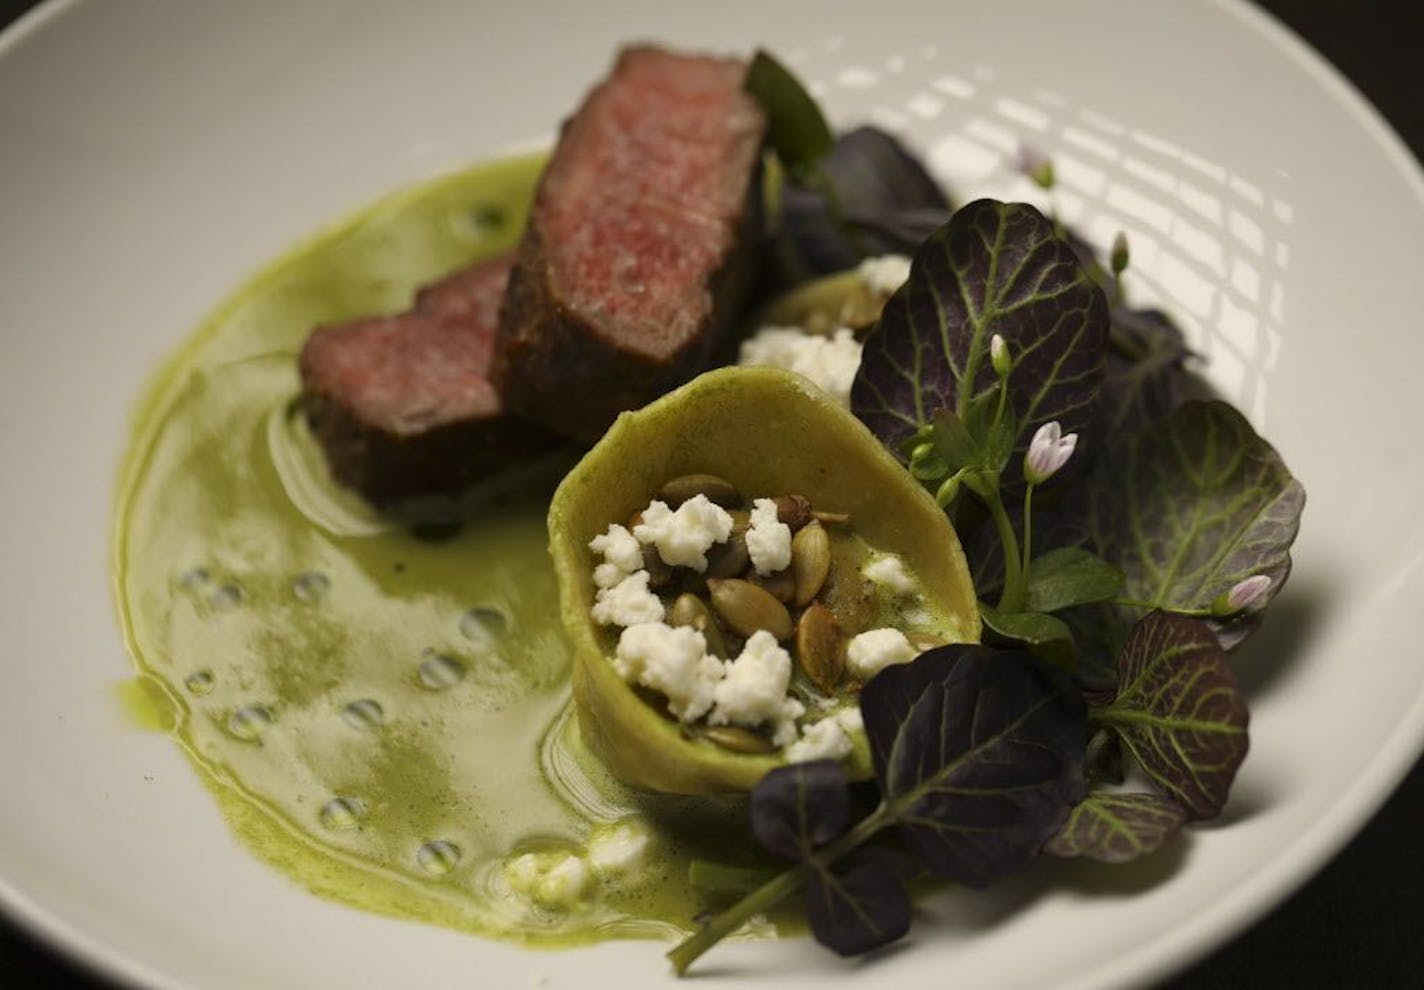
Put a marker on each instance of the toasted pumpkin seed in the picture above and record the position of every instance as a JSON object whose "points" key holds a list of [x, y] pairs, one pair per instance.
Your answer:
{"points": [[781, 584], [747, 608], [794, 510], [660, 573], [831, 518], [819, 649], [687, 486], [738, 739], [730, 558], [810, 560], [689, 610]]}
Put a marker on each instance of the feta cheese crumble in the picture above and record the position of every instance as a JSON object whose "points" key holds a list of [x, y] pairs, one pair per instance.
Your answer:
{"points": [[884, 274], [823, 740], [672, 660], [619, 548], [753, 692], [891, 574], [871, 652], [627, 603], [850, 718], [618, 848], [768, 539], [682, 538], [830, 362], [553, 880]]}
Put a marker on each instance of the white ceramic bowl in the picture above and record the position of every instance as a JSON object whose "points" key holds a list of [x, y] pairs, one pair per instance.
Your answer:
{"points": [[155, 152]]}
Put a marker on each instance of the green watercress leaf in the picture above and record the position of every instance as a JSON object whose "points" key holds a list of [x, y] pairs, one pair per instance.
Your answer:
{"points": [[1192, 505], [979, 755], [1068, 576], [796, 128], [994, 268], [1179, 712], [796, 809], [1117, 827], [1045, 636], [860, 904]]}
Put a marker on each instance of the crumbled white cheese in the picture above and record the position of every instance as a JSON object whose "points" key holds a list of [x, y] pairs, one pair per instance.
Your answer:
{"points": [[754, 691], [553, 880], [768, 539], [851, 719], [618, 848], [672, 660], [683, 537], [619, 548], [823, 740], [627, 603], [562, 883], [830, 362], [891, 574], [885, 274], [607, 575], [873, 651]]}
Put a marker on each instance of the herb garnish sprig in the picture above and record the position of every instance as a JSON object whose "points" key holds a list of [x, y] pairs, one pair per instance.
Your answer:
{"points": [[1002, 369], [978, 756]]}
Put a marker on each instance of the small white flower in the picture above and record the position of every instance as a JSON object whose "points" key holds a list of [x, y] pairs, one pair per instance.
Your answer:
{"points": [[1243, 595], [1048, 451], [999, 356], [1036, 165]]}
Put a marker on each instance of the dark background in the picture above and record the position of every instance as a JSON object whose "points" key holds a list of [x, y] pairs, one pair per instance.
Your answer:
{"points": [[1360, 923]]}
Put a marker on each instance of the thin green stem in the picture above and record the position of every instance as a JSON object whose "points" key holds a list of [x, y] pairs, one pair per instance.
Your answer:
{"points": [[773, 892], [1028, 527], [1012, 598], [719, 878], [1202, 613]]}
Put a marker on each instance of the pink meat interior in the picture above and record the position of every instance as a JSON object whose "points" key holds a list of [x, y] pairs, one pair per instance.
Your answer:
{"points": [[423, 368], [640, 203]]}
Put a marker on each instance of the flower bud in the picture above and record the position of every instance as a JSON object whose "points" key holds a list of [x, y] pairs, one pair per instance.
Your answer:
{"points": [[947, 491], [1036, 165], [1119, 256], [999, 356], [1048, 451], [1244, 594]]}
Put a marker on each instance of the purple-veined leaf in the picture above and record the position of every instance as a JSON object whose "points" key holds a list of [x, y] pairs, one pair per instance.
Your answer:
{"points": [[797, 809], [1179, 712], [1117, 827], [1145, 375], [885, 195], [1192, 505], [979, 755], [860, 904], [995, 268]]}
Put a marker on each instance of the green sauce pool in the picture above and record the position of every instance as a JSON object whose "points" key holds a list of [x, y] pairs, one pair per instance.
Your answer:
{"points": [[380, 716]]}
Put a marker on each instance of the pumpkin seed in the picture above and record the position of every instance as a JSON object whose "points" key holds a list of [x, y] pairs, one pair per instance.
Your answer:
{"points": [[819, 649], [794, 510], [747, 608], [729, 559], [738, 739], [688, 486], [831, 518], [659, 572], [689, 610], [810, 561], [781, 584]]}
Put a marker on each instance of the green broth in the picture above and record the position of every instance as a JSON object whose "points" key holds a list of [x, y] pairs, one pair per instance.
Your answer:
{"points": [[382, 717]]}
